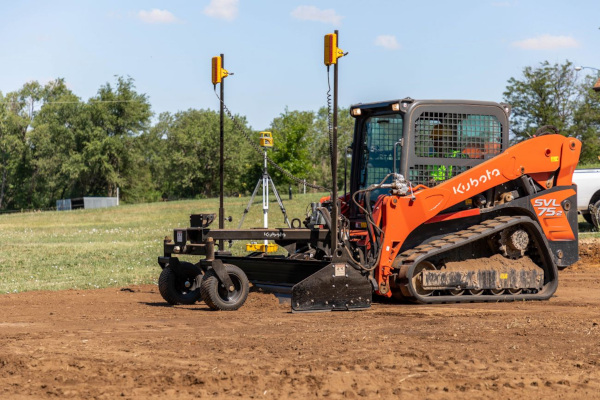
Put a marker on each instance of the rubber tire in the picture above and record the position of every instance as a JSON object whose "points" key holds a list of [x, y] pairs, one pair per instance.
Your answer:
{"points": [[596, 218], [588, 218], [217, 297], [172, 288]]}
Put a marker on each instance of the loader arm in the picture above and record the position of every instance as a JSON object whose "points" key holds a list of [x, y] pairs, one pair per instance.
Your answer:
{"points": [[550, 160]]}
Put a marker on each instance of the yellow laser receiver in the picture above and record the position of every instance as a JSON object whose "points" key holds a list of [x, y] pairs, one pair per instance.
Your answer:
{"points": [[332, 52], [218, 72]]}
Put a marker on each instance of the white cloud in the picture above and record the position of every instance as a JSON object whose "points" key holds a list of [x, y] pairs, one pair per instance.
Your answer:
{"points": [[312, 13], [157, 16], [547, 42], [387, 41], [222, 9]]}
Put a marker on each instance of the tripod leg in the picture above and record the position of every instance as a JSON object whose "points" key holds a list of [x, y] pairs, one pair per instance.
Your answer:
{"points": [[285, 218], [250, 202]]}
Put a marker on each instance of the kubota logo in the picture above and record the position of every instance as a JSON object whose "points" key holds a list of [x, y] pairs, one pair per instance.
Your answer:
{"points": [[473, 183], [547, 207], [274, 234]]}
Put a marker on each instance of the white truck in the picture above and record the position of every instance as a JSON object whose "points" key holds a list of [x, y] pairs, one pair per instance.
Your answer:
{"points": [[588, 194]]}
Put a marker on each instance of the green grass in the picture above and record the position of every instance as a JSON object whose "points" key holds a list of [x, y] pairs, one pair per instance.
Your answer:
{"points": [[587, 230], [115, 246], [589, 166]]}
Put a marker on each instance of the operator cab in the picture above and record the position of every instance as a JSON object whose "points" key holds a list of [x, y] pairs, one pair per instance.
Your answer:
{"points": [[430, 141]]}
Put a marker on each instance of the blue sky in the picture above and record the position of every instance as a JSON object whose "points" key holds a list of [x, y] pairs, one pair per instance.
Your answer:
{"points": [[422, 49]]}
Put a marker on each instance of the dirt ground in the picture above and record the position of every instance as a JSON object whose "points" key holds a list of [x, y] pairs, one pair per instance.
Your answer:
{"points": [[127, 343]]}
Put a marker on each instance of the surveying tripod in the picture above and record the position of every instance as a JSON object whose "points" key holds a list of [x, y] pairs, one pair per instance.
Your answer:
{"points": [[264, 181]]}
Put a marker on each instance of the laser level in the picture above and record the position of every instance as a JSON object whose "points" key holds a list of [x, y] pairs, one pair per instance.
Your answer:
{"points": [[266, 139]]}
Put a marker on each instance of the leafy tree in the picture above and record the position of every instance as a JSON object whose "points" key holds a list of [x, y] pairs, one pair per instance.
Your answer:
{"points": [[321, 152], [19, 177], [293, 132], [154, 158], [552, 95], [56, 142], [118, 115], [587, 121], [191, 151], [546, 95], [10, 146], [302, 147], [90, 149]]}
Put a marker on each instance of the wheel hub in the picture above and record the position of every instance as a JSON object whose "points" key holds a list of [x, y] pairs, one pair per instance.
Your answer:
{"points": [[513, 243]]}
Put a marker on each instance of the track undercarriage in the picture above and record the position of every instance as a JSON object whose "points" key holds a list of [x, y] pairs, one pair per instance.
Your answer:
{"points": [[501, 259]]}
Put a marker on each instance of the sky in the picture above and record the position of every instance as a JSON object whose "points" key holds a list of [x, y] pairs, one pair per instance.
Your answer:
{"points": [[426, 49]]}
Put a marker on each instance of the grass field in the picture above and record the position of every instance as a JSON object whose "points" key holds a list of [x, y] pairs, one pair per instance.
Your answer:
{"points": [[115, 246]]}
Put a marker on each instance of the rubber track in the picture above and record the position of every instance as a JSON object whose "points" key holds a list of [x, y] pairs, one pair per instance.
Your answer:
{"points": [[406, 261]]}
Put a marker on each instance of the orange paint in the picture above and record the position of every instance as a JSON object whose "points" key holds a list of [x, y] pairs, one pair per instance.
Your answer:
{"points": [[551, 215]]}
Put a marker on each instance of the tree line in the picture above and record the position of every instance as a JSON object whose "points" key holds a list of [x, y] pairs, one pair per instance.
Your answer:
{"points": [[556, 94], [54, 145]]}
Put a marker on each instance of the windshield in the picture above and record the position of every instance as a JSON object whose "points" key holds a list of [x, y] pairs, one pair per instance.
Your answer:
{"points": [[379, 135]]}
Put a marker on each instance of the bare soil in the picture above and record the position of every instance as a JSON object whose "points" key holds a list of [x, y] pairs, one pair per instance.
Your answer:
{"points": [[127, 343]]}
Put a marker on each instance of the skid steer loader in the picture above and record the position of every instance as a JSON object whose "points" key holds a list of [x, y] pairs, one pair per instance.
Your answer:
{"points": [[440, 210]]}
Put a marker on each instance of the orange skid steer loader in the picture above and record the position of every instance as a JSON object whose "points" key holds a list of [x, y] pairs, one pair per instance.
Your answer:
{"points": [[440, 209]]}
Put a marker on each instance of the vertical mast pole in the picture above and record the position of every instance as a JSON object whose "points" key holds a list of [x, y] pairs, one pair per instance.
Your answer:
{"points": [[221, 159], [265, 185], [334, 192]]}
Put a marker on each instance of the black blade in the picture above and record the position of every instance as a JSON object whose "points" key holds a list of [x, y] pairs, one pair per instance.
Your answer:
{"points": [[336, 287]]}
